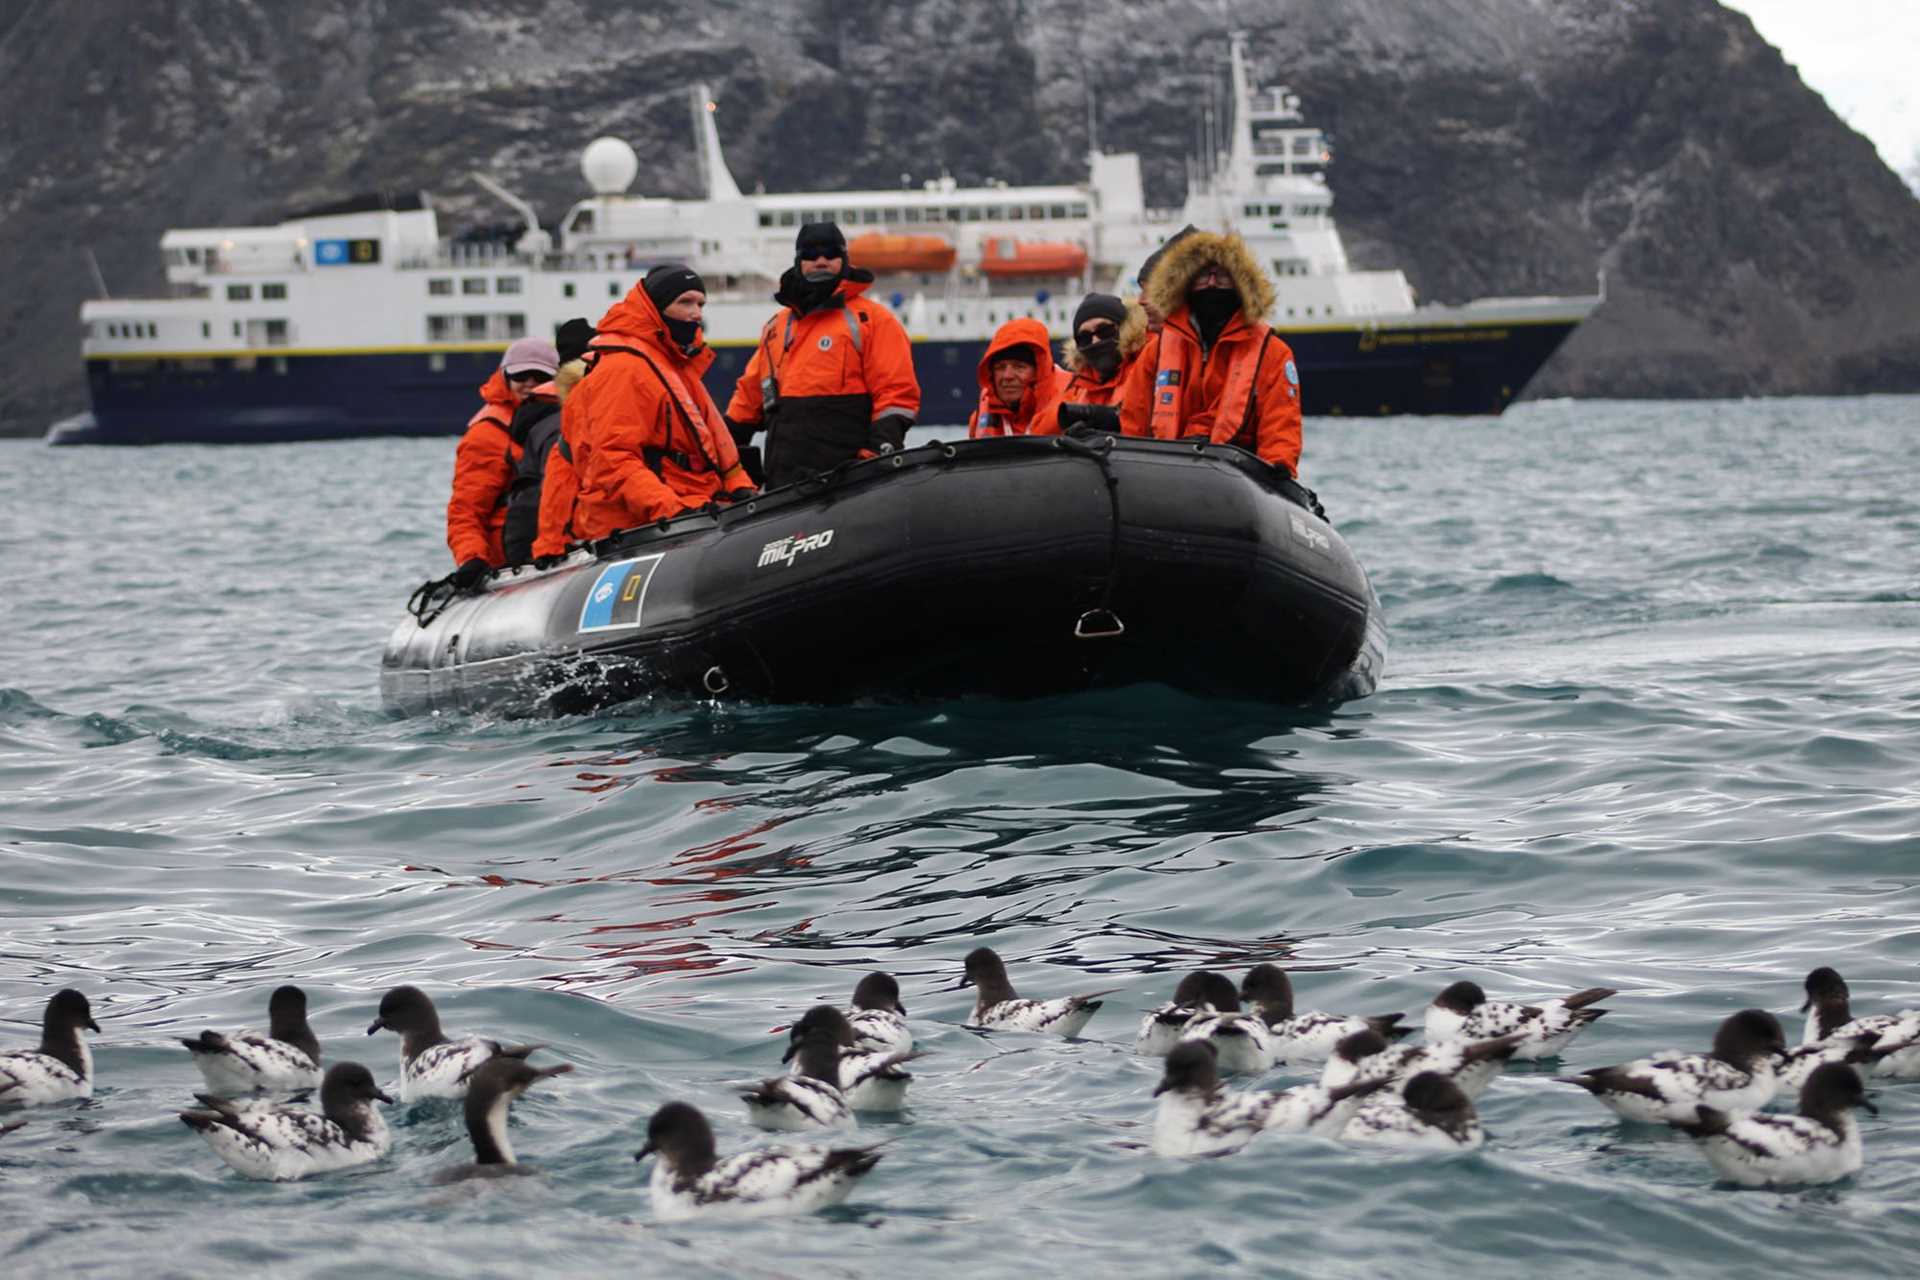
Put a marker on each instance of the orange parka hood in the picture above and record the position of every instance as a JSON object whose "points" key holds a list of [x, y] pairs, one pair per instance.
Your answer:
{"points": [[1039, 408], [635, 321]]}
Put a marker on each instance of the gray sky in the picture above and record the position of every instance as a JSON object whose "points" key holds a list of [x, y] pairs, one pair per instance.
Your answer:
{"points": [[1858, 54]]}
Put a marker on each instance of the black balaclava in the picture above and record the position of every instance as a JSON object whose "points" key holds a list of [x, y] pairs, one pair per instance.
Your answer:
{"points": [[1212, 307], [810, 289], [1103, 356], [665, 283]]}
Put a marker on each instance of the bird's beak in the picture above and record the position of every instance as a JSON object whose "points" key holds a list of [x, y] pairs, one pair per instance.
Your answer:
{"points": [[548, 1072], [93, 1026], [1161, 1088], [965, 981], [1806, 1004], [644, 1152], [1867, 1102], [377, 1025], [793, 1047], [899, 1008], [383, 1097]]}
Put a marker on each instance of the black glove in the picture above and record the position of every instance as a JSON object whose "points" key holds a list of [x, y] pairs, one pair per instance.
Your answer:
{"points": [[889, 433], [752, 464], [468, 575], [547, 562], [744, 493], [742, 432], [1089, 417]]}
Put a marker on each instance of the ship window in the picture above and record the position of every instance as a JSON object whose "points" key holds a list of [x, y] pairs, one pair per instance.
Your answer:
{"points": [[1079, 210], [909, 215], [1035, 212], [995, 212], [613, 288], [471, 285], [273, 292], [1057, 211], [786, 217], [236, 328], [516, 325], [931, 215], [975, 213], [869, 216], [477, 328], [1018, 213], [193, 256], [206, 329], [766, 219], [113, 331], [1251, 211], [439, 328], [1302, 144], [566, 290], [239, 293], [437, 362], [440, 287], [583, 220], [506, 284]]}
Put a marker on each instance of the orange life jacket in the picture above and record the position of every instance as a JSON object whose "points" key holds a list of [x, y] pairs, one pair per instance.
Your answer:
{"points": [[1179, 370]]}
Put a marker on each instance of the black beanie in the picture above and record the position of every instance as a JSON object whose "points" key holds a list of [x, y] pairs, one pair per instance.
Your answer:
{"points": [[669, 280], [818, 236], [1102, 305], [571, 338], [1153, 259]]}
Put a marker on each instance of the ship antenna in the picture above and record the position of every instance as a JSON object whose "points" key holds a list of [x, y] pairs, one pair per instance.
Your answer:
{"points": [[99, 280], [715, 177], [1093, 119], [1241, 157]]}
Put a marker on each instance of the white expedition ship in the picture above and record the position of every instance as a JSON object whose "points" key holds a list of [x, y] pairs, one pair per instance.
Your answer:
{"points": [[361, 319]]}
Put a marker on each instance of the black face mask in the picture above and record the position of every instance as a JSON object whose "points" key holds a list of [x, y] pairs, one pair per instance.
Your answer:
{"points": [[812, 290], [685, 333], [1211, 309], [1102, 356]]}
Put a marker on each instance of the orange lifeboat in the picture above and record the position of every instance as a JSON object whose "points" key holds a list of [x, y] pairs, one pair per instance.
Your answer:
{"points": [[876, 251], [1032, 258]]}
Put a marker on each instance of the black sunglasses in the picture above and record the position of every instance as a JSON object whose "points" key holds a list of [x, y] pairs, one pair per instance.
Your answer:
{"points": [[814, 255], [1095, 333]]}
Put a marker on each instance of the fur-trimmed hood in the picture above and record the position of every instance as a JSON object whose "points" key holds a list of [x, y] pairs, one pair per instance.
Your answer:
{"points": [[570, 372], [1166, 289], [1133, 336]]}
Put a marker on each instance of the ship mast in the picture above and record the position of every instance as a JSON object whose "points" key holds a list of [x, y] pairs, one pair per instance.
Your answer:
{"points": [[715, 177]]}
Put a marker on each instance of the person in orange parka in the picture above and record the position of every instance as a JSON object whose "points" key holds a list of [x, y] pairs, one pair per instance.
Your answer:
{"points": [[484, 462], [1215, 370], [1107, 335], [560, 483], [1019, 386], [648, 442]]}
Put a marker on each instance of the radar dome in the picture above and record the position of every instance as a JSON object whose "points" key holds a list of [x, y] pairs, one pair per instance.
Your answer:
{"points": [[609, 166]]}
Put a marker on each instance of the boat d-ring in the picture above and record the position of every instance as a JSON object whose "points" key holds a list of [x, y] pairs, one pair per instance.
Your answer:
{"points": [[716, 680], [1099, 624]]}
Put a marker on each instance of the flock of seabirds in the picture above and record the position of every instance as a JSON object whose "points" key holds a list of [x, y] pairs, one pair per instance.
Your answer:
{"points": [[1370, 1090]]}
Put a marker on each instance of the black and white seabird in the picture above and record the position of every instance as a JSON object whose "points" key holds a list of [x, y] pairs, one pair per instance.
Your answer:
{"points": [[1430, 1114], [282, 1143], [689, 1179], [1830, 1016], [284, 1060], [431, 1065], [1196, 1117], [1463, 1012], [1472, 1065], [61, 1069], [1202, 991], [1000, 1008], [810, 1098], [491, 1090], [1304, 1038], [871, 1079], [1740, 1074], [879, 1019], [1821, 1144]]}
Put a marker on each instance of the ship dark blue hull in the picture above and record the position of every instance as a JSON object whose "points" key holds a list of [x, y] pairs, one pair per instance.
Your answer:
{"points": [[273, 397]]}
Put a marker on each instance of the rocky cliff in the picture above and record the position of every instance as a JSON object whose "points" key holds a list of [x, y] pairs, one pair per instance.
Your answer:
{"points": [[1751, 242]]}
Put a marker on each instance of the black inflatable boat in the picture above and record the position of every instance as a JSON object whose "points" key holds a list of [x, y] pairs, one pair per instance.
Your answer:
{"points": [[1017, 566]]}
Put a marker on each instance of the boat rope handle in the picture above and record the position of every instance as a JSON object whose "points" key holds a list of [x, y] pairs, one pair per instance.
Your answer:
{"points": [[430, 599]]}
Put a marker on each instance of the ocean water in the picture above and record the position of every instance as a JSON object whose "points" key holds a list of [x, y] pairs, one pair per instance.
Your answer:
{"points": [[1651, 720]]}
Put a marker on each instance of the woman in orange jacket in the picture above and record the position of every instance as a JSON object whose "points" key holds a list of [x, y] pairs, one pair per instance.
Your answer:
{"points": [[1107, 335], [1215, 371], [648, 442], [484, 462], [1019, 386]]}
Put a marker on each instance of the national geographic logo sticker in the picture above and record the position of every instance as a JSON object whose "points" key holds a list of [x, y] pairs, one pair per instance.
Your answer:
{"points": [[619, 594]]}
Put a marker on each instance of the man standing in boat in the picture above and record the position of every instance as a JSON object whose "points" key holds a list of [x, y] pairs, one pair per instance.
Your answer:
{"points": [[1019, 386], [832, 378], [485, 459], [1215, 371], [648, 441]]}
